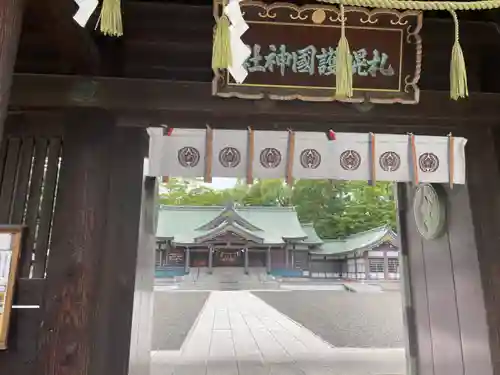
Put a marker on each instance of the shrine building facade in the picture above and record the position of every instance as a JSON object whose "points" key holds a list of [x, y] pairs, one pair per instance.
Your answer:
{"points": [[270, 238]]}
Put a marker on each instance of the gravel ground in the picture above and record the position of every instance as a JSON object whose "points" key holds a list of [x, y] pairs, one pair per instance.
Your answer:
{"points": [[174, 315], [344, 319]]}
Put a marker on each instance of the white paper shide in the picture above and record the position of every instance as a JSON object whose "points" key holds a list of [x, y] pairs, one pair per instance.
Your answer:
{"points": [[85, 10], [240, 52]]}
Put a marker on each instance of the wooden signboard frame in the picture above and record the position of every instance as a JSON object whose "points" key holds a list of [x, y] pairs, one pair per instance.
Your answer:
{"points": [[7, 295], [379, 39]]}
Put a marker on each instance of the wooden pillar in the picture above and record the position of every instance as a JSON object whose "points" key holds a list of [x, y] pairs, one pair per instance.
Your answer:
{"points": [[268, 260], [286, 256], [142, 324], [246, 260], [187, 260], [167, 252], [324, 267], [386, 266], [210, 259], [367, 266], [356, 266], [89, 292], [11, 14]]}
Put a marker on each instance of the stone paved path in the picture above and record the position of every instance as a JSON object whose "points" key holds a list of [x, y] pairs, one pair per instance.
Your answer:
{"points": [[344, 319], [239, 334]]}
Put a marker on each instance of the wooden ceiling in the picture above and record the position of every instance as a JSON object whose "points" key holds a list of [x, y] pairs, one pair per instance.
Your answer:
{"points": [[172, 40]]}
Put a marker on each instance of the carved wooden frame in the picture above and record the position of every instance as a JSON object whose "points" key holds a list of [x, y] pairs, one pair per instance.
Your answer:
{"points": [[16, 233], [306, 15]]}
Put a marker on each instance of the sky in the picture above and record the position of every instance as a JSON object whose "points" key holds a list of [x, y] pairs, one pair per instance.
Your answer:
{"points": [[220, 183]]}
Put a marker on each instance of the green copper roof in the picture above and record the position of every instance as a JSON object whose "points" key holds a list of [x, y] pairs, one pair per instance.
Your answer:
{"points": [[357, 242], [192, 225], [228, 227], [186, 225], [312, 236]]}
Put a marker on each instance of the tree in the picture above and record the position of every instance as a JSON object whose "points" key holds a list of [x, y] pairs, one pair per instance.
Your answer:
{"points": [[320, 202], [368, 206], [272, 192], [180, 192]]}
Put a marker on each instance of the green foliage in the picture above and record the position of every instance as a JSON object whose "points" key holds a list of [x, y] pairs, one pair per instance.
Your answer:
{"points": [[337, 209], [368, 206]]}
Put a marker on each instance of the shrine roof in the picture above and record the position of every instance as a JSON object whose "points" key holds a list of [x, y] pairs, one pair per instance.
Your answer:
{"points": [[362, 241], [312, 236], [234, 228], [191, 225]]}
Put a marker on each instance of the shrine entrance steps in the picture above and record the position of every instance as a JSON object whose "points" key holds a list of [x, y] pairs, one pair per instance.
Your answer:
{"points": [[227, 278]]}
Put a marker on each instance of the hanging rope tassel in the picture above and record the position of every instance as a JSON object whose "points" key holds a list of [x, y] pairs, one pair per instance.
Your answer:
{"points": [[111, 18], [221, 52], [458, 71], [343, 69]]}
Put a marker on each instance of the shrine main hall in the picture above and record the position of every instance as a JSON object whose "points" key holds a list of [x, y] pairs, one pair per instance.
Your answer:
{"points": [[270, 238]]}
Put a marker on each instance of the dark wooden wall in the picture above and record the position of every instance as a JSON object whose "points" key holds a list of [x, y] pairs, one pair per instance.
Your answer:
{"points": [[173, 41], [445, 303], [67, 179], [484, 186], [277, 258], [257, 259], [301, 259], [328, 266]]}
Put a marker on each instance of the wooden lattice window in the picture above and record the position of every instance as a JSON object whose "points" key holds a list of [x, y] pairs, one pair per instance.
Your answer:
{"points": [[377, 265], [393, 265], [29, 176]]}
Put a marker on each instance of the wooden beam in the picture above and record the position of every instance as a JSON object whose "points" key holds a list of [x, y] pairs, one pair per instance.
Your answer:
{"points": [[54, 20], [11, 14], [152, 102]]}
